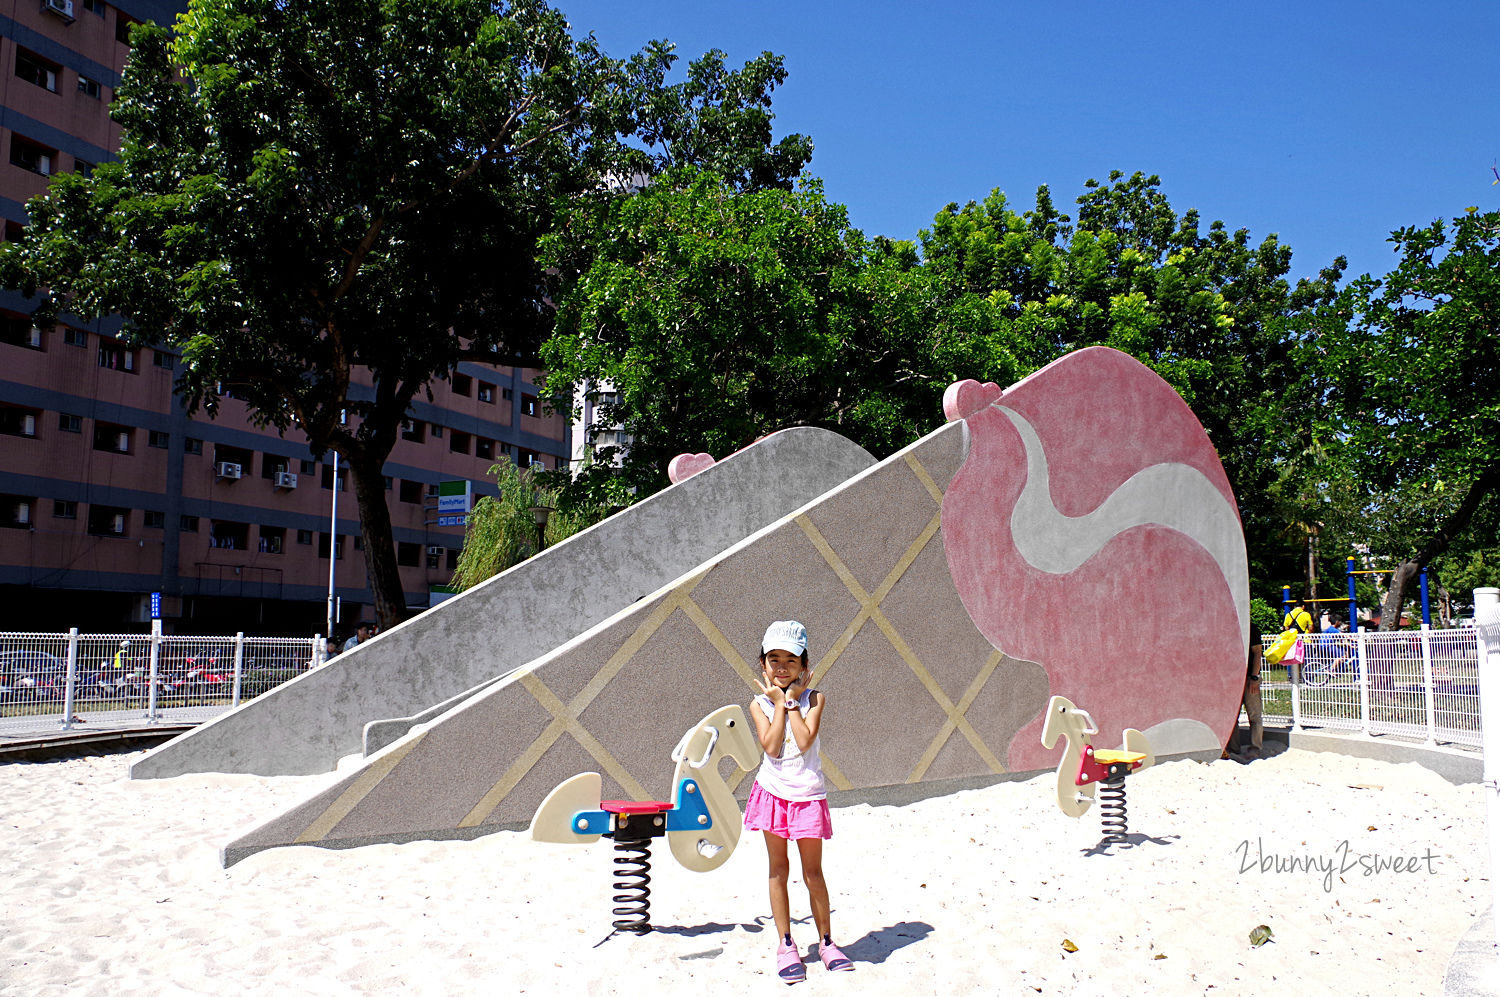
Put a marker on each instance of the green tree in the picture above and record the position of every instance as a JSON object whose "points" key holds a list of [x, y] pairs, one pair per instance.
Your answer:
{"points": [[502, 527], [712, 315], [310, 190], [1411, 369]]}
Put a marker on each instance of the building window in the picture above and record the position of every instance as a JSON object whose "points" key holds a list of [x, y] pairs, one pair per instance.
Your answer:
{"points": [[33, 156], [272, 539], [20, 332], [165, 361], [529, 405], [390, 482], [413, 430], [411, 491], [338, 546], [108, 521], [112, 438], [328, 479], [123, 25], [75, 337], [309, 466], [437, 431], [192, 445], [432, 489], [156, 438], [69, 423], [505, 448], [484, 449], [359, 543], [486, 392], [155, 520], [83, 167], [95, 7], [226, 535], [88, 87], [463, 384], [64, 509], [452, 558], [304, 537], [115, 355], [18, 512], [274, 464], [188, 524], [458, 442], [506, 394], [16, 421], [34, 69], [408, 555]]}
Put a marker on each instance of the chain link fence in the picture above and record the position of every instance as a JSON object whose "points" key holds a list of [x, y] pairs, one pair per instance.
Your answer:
{"points": [[61, 680]]}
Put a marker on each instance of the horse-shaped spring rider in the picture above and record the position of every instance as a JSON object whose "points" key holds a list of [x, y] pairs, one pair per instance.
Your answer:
{"points": [[1083, 767], [701, 824]]}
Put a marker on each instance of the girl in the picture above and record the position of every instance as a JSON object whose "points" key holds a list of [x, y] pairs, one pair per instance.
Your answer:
{"points": [[788, 800]]}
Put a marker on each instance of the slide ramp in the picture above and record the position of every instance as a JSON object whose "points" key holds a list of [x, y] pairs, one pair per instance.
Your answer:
{"points": [[306, 725]]}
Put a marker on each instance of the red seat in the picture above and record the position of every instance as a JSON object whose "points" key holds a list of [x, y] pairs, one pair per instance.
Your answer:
{"points": [[634, 806]]}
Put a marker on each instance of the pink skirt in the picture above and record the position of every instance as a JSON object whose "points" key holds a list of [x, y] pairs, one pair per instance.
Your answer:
{"points": [[790, 819]]}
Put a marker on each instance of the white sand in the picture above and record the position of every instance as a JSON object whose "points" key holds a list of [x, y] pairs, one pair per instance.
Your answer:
{"points": [[114, 887]]}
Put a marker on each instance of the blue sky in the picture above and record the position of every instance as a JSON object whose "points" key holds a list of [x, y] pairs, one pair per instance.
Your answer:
{"points": [[1328, 123]]}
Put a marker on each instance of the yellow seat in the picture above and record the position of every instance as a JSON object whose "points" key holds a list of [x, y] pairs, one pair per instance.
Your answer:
{"points": [[1107, 757]]}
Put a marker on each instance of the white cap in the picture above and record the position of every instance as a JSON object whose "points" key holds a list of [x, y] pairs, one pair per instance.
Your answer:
{"points": [[785, 635]]}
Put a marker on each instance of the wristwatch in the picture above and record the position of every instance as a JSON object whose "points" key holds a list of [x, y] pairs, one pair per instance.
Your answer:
{"points": [[792, 704]]}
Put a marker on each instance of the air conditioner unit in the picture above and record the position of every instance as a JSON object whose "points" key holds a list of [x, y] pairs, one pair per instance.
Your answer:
{"points": [[122, 443], [225, 469], [62, 8], [28, 425], [23, 512], [34, 337], [285, 479], [435, 551]]}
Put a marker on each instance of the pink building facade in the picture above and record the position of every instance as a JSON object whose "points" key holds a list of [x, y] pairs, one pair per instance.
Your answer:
{"points": [[109, 492]]}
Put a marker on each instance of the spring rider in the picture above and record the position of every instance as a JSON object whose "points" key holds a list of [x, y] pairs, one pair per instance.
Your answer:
{"points": [[1083, 767], [701, 824]]}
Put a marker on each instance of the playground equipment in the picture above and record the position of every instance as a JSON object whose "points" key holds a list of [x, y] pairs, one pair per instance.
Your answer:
{"points": [[701, 824], [1287, 602], [1083, 767]]}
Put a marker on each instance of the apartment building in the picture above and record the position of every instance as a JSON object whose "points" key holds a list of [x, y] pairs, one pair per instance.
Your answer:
{"points": [[110, 493]]}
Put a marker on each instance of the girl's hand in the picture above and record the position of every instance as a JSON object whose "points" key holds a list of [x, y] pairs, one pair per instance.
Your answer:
{"points": [[771, 692], [794, 691]]}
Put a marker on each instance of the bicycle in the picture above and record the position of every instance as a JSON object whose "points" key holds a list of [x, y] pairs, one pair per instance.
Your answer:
{"points": [[1318, 671]]}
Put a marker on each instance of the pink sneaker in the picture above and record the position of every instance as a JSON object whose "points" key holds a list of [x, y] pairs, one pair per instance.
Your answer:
{"points": [[834, 960], [789, 967]]}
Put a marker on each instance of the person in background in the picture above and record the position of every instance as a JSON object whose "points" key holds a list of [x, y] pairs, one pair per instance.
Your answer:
{"points": [[362, 633]]}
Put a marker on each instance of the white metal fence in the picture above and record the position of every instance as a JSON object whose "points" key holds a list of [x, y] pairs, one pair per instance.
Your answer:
{"points": [[1420, 684], [61, 680]]}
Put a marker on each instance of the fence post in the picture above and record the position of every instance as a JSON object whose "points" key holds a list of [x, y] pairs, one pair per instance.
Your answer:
{"points": [[1362, 644], [1427, 684], [70, 688], [1293, 673], [151, 714], [319, 651], [239, 664], [1487, 629]]}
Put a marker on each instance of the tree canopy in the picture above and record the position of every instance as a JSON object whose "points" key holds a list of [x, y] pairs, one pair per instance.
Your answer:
{"points": [[1409, 367], [311, 195]]}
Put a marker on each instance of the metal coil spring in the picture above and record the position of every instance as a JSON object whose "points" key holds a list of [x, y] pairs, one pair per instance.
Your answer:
{"points": [[633, 895], [1112, 810]]}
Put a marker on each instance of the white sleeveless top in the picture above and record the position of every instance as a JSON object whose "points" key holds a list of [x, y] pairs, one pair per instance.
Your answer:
{"points": [[797, 775]]}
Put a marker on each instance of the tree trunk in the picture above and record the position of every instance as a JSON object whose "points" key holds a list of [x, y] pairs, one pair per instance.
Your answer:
{"points": [[380, 547], [1435, 545]]}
